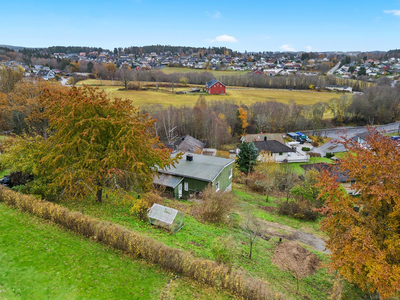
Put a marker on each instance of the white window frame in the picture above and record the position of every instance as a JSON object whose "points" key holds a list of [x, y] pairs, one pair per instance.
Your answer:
{"points": [[230, 173], [186, 186], [217, 186]]}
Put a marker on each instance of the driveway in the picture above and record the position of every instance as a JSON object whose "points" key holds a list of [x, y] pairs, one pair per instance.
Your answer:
{"points": [[336, 134]]}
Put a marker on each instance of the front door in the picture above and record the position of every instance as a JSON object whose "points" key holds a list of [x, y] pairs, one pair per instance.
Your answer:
{"points": [[180, 190]]}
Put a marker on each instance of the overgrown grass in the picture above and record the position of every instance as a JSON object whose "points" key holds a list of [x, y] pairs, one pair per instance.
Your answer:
{"points": [[41, 261], [198, 238]]}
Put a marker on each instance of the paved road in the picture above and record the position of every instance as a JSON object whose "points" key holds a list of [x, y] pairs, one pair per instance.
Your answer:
{"points": [[337, 133], [331, 71]]}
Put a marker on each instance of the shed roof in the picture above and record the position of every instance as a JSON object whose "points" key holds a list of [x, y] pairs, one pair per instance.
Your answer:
{"points": [[162, 213], [202, 167], [272, 146], [167, 180]]}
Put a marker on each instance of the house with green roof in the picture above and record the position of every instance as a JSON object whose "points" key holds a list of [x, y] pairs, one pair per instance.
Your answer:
{"points": [[194, 172]]}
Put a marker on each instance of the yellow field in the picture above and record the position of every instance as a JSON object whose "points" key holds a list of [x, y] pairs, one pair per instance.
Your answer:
{"points": [[241, 95]]}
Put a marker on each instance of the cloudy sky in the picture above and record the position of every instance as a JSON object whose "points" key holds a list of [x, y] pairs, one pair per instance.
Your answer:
{"points": [[266, 25]]}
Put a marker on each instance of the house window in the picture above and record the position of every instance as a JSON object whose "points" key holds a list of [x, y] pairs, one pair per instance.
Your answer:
{"points": [[186, 186], [230, 173], [280, 153], [217, 186]]}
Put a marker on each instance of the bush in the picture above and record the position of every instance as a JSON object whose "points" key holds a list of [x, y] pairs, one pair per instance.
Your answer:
{"points": [[222, 250], [314, 154], [20, 178], [299, 210], [314, 144], [141, 206], [258, 182], [305, 149], [329, 155], [215, 206]]}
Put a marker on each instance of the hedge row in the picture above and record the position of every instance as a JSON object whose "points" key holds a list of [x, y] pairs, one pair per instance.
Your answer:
{"points": [[202, 270]]}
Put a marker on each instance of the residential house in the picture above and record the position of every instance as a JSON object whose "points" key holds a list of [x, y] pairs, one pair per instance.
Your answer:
{"points": [[274, 150], [215, 87], [194, 172], [341, 88], [187, 144], [45, 74], [263, 136]]}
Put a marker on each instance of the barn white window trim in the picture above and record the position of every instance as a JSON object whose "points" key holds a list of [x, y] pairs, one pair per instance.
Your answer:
{"points": [[217, 186], [230, 173], [186, 186]]}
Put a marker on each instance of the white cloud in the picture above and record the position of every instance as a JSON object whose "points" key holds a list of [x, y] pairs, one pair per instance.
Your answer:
{"points": [[215, 14], [393, 12], [287, 47], [223, 38], [308, 48]]}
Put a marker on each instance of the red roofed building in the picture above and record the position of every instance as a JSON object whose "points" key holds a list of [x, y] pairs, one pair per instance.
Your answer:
{"points": [[215, 87]]}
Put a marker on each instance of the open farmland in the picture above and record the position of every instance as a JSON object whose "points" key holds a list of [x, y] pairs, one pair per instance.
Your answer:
{"points": [[245, 96]]}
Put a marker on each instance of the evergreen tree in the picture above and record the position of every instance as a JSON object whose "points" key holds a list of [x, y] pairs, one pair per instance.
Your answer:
{"points": [[247, 157]]}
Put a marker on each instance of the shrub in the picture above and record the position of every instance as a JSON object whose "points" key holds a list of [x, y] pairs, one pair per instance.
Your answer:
{"points": [[215, 206], [314, 154], [329, 155], [222, 250], [299, 210], [141, 206], [305, 149], [203, 270], [20, 178], [314, 144], [258, 182]]}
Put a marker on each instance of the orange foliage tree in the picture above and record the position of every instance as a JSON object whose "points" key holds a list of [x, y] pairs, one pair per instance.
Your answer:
{"points": [[242, 120], [20, 107], [94, 144], [364, 230]]}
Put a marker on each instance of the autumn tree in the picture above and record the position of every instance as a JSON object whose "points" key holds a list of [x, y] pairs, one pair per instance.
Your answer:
{"points": [[242, 120], [94, 144], [9, 78], [111, 69], [364, 229], [247, 157], [125, 75]]}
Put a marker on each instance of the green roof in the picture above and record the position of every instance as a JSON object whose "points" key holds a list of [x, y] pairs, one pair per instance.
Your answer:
{"points": [[202, 167]]}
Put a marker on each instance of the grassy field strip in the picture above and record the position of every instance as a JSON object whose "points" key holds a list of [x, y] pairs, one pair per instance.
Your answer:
{"points": [[38, 260]]}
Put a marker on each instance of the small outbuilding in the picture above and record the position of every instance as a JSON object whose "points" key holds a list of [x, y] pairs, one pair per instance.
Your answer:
{"points": [[166, 217]]}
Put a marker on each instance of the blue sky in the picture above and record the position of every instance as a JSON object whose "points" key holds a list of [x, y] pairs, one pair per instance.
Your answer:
{"points": [[241, 25]]}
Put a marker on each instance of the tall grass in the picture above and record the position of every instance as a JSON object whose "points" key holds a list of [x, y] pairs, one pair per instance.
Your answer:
{"points": [[202, 270]]}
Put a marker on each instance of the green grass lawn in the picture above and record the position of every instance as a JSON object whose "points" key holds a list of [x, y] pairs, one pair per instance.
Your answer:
{"points": [[313, 160], [38, 260]]}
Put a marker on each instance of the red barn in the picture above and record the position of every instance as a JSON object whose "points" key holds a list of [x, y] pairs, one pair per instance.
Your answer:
{"points": [[215, 87]]}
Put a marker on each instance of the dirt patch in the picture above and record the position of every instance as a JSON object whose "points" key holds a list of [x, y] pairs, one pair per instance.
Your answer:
{"points": [[291, 256], [291, 234], [268, 208]]}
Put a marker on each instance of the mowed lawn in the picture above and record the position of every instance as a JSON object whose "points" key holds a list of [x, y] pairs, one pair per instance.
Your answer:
{"points": [[38, 260], [164, 96]]}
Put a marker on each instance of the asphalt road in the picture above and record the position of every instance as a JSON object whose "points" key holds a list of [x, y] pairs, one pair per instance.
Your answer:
{"points": [[337, 133]]}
